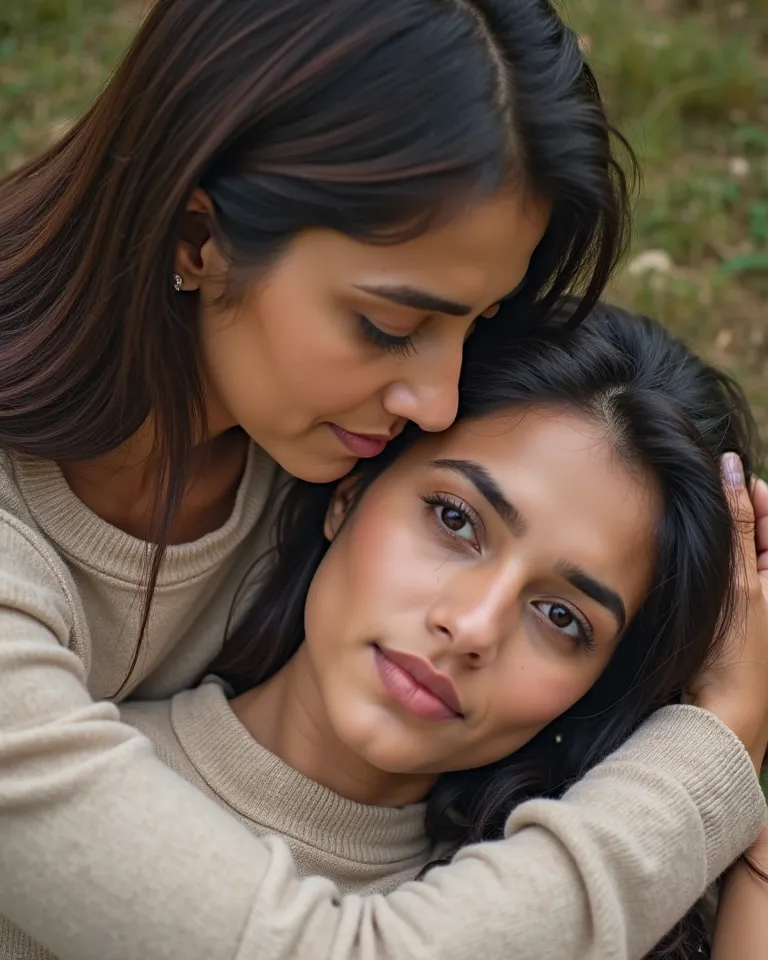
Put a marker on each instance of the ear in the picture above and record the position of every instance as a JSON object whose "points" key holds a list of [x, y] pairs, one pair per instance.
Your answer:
{"points": [[339, 507], [198, 258]]}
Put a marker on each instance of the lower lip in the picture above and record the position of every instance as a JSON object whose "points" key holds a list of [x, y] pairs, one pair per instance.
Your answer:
{"points": [[410, 694], [357, 444]]}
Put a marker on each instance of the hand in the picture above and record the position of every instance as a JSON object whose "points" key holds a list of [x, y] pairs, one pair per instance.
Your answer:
{"points": [[741, 929], [758, 852], [735, 686]]}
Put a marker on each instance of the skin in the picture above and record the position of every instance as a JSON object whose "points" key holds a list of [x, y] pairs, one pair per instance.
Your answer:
{"points": [[742, 917], [492, 606]]}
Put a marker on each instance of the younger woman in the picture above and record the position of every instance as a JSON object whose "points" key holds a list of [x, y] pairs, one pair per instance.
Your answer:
{"points": [[475, 619]]}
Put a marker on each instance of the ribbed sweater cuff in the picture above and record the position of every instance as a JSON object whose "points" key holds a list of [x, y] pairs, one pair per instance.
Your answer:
{"points": [[711, 763]]}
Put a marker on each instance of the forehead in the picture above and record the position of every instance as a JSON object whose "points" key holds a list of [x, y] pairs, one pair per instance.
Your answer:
{"points": [[479, 255]]}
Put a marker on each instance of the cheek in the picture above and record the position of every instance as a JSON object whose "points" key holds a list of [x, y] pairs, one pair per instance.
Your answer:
{"points": [[315, 352], [522, 699], [368, 574], [528, 694], [379, 575], [285, 354]]}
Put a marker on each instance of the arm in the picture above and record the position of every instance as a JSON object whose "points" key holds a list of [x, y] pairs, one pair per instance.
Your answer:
{"points": [[130, 862], [741, 929]]}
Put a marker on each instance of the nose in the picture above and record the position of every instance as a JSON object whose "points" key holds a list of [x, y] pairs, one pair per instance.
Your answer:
{"points": [[429, 393], [476, 616]]}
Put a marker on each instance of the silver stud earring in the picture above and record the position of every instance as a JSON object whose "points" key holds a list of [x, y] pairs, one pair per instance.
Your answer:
{"points": [[178, 282], [558, 738]]}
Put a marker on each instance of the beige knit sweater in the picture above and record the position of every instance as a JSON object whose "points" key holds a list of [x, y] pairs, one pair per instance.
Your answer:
{"points": [[362, 849], [106, 853]]}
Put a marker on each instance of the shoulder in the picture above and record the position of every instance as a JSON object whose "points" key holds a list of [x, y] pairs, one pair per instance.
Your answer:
{"points": [[156, 719], [153, 719]]}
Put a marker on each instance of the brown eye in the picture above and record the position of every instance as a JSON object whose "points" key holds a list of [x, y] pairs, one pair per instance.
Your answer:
{"points": [[566, 621], [560, 616], [457, 519], [453, 519]]}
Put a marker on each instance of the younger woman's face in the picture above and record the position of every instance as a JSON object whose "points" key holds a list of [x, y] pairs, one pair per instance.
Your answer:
{"points": [[324, 358], [478, 590]]}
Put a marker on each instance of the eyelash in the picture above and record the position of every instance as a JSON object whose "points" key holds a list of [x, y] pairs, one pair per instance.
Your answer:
{"points": [[586, 640], [401, 345], [437, 500]]}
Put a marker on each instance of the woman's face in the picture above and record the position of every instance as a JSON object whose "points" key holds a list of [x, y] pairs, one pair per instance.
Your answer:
{"points": [[328, 355], [478, 590]]}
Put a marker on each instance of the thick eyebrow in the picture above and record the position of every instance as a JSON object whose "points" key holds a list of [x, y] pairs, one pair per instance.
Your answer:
{"points": [[484, 483], [417, 299], [596, 590]]}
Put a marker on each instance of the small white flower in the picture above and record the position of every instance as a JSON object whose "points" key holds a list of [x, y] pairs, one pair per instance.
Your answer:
{"points": [[739, 167], [650, 261]]}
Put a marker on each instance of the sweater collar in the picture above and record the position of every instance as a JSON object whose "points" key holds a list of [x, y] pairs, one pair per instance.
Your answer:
{"points": [[261, 787], [89, 541]]}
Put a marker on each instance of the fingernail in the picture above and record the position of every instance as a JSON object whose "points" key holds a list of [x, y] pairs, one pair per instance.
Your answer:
{"points": [[733, 471]]}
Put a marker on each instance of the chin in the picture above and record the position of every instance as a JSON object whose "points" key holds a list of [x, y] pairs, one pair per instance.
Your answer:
{"points": [[390, 751], [322, 473], [396, 762], [311, 469]]}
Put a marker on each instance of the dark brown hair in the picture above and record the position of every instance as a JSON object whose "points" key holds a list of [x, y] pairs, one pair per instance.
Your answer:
{"points": [[367, 117]]}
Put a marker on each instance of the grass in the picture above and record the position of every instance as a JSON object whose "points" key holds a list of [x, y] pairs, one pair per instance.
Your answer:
{"points": [[686, 80]]}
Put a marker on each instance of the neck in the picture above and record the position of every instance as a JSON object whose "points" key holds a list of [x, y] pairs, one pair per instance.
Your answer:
{"points": [[286, 715], [121, 486]]}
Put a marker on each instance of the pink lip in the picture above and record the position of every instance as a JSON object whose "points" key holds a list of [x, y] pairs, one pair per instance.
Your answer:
{"points": [[415, 684], [362, 445]]}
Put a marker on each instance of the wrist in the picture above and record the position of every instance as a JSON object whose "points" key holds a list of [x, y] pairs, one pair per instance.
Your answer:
{"points": [[748, 727]]}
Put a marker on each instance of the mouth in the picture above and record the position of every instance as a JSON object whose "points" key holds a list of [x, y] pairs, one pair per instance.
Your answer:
{"points": [[363, 445], [415, 684]]}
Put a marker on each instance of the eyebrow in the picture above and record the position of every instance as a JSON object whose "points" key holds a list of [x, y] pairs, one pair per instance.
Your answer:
{"points": [[596, 590], [484, 483], [417, 299]]}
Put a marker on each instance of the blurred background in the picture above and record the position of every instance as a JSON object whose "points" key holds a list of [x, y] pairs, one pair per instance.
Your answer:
{"points": [[686, 80]]}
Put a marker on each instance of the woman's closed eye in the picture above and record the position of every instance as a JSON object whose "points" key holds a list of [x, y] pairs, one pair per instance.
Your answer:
{"points": [[454, 518], [565, 620], [396, 344]]}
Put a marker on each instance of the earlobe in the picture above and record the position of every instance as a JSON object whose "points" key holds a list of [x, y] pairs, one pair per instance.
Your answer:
{"points": [[339, 507]]}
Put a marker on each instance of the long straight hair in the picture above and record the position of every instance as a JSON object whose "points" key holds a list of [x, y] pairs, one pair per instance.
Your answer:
{"points": [[667, 413], [367, 117]]}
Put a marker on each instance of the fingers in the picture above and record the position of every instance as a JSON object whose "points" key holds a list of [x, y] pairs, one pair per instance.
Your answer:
{"points": [[760, 502], [742, 509]]}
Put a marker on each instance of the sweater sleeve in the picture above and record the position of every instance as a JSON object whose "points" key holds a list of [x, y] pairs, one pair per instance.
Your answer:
{"points": [[106, 854]]}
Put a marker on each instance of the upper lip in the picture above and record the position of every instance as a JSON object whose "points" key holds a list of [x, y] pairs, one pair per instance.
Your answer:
{"points": [[422, 671]]}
